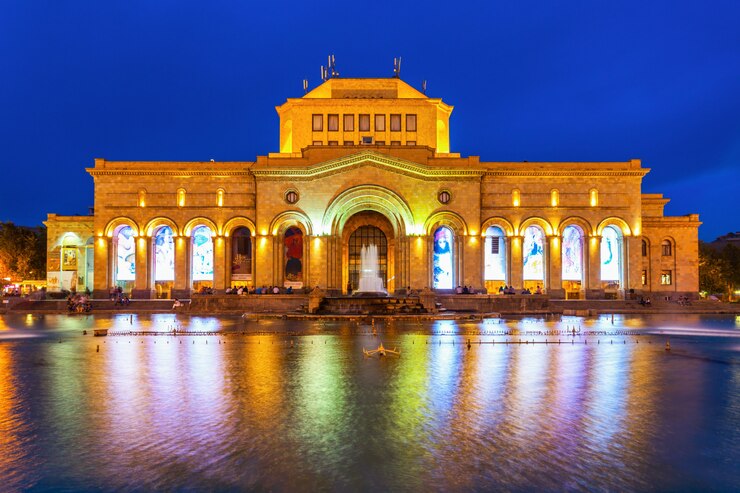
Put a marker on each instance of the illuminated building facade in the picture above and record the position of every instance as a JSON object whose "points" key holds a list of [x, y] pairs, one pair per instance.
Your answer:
{"points": [[369, 161]]}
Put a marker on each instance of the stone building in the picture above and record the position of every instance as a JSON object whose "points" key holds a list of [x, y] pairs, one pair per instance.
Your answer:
{"points": [[368, 161]]}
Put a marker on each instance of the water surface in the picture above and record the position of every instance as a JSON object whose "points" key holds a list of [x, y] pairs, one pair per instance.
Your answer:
{"points": [[284, 405]]}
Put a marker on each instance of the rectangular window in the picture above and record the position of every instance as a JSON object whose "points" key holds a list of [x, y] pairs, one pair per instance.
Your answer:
{"points": [[395, 123], [644, 278], [333, 143], [367, 140], [317, 142], [318, 123], [332, 122], [410, 142], [411, 123], [349, 143], [494, 245], [665, 278], [349, 123], [364, 123], [380, 142], [380, 123], [395, 142]]}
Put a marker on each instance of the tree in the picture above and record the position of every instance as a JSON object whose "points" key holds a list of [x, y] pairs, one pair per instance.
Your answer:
{"points": [[22, 252], [719, 270]]}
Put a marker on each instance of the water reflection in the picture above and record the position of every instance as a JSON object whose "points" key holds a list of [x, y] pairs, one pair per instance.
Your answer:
{"points": [[271, 410]]}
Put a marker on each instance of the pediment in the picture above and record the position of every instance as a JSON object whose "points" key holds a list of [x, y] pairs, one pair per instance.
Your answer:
{"points": [[368, 158]]}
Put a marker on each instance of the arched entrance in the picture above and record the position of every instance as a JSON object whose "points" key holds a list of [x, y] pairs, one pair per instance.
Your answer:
{"points": [[361, 237], [362, 229]]}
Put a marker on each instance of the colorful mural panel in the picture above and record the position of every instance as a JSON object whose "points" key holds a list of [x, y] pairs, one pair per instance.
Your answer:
{"points": [[572, 254], [202, 254], [533, 254], [293, 244], [164, 255], [126, 255], [443, 275]]}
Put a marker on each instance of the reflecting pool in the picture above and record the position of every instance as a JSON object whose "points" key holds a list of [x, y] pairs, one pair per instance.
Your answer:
{"points": [[224, 403]]}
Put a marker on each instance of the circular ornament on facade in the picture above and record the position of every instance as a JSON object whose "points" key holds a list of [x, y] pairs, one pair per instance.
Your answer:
{"points": [[291, 196], [444, 197]]}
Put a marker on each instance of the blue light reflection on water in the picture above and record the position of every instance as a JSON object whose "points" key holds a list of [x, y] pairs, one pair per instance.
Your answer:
{"points": [[255, 411]]}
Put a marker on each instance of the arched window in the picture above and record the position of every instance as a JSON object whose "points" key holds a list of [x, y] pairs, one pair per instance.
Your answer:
{"points": [[125, 243], [533, 257], [202, 249], [554, 198], [443, 273], [220, 197], [180, 197], [572, 260], [293, 247], [495, 256], [593, 197], [142, 198], [163, 248], [611, 258], [516, 197], [241, 255], [666, 249], [644, 248]]}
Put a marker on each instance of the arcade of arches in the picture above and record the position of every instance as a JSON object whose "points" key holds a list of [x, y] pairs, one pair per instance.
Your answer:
{"points": [[299, 218]]}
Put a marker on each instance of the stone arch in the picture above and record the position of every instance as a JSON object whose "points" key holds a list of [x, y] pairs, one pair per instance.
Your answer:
{"points": [[576, 221], [446, 218], [536, 221], [236, 222], [115, 223], [614, 221], [283, 221], [157, 222], [368, 197], [502, 223], [197, 221]]}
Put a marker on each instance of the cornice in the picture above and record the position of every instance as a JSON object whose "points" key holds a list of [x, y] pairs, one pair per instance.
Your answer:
{"points": [[565, 173], [367, 158], [155, 172]]}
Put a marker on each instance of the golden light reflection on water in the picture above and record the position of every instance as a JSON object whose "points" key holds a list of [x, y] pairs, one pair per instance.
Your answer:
{"points": [[257, 412]]}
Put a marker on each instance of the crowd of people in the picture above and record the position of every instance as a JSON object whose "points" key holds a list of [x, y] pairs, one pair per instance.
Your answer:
{"points": [[244, 290], [79, 303], [511, 290]]}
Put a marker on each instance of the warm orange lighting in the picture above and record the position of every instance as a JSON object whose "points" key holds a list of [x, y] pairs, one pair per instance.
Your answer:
{"points": [[142, 198], [220, 197], [554, 198], [181, 197], [515, 198], [594, 197]]}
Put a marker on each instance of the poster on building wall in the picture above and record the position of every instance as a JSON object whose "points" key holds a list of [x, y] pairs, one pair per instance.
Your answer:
{"points": [[69, 258], [53, 280], [202, 254], [610, 255], [164, 255], [241, 255], [533, 254], [572, 254], [293, 245], [126, 255], [442, 259]]}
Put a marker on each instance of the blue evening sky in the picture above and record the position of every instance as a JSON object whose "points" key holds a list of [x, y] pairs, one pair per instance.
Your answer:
{"points": [[530, 80]]}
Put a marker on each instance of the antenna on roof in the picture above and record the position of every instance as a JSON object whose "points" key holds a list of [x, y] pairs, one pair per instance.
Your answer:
{"points": [[397, 67], [305, 85], [424, 86], [330, 70]]}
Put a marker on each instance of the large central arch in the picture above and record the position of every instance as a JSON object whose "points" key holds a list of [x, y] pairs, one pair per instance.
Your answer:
{"points": [[368, 198]]}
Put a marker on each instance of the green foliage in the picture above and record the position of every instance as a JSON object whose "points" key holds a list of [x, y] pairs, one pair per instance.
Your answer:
{"points": [[22, 252], [719, 270]]}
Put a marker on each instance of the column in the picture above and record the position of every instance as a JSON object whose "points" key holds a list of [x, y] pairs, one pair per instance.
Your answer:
{"points": [[554, 268], [101, 279], [219, 264], [142, 284], [181, 288], [517, 269], [593, 281]]}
